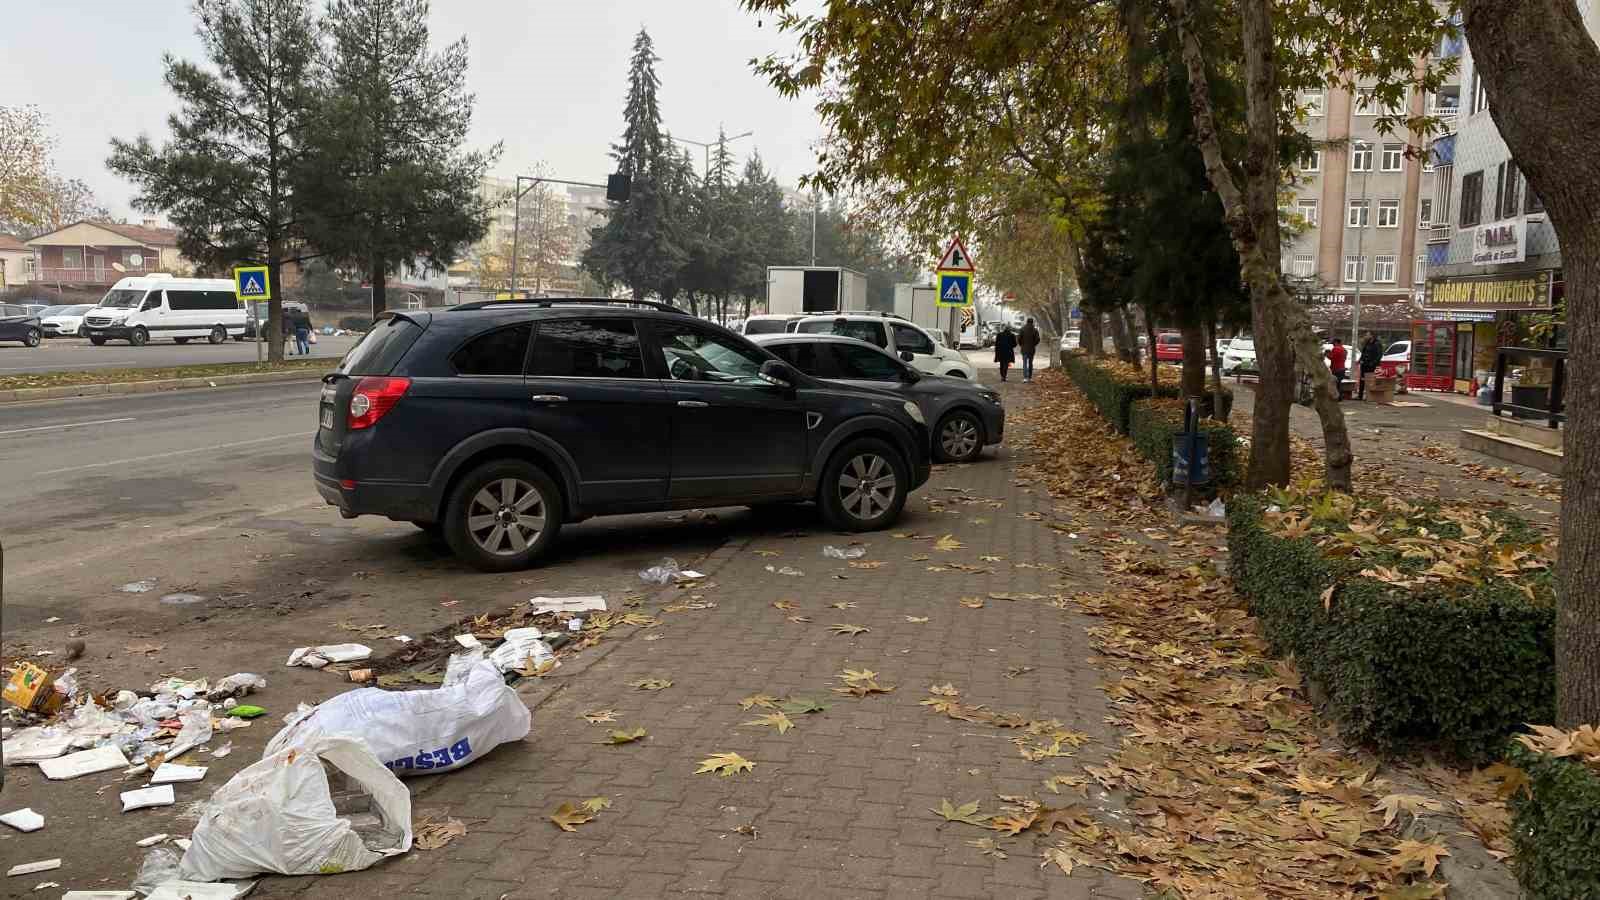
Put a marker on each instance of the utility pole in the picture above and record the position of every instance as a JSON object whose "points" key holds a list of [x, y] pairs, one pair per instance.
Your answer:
{"points": [[1361, 233], [816, 200], [707, 147], [516, 218]]}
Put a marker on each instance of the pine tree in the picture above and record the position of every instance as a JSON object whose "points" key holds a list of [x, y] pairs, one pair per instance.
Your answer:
{"points": [[389, 182], [225, 178], [636, 247]]}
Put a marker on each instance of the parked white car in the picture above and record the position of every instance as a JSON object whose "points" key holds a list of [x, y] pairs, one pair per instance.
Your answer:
{"points": [[1240, 357], [63, 321], [1399, 353], [1070, 340], [767, 323], [901, 337], [160, 306]]}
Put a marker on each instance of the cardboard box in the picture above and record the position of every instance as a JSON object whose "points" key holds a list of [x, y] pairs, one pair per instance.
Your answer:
{"points": [[30, 687]]}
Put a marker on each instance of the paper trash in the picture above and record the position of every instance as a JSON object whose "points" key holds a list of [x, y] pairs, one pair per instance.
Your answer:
{"points": [[85, 762], [199, 890], [30, 745], [43, 865], [23, 820], [173, 773], [147, 797], [152, 840], [591, 603], [100, 895]]}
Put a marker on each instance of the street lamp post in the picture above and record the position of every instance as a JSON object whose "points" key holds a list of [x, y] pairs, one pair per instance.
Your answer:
{"points": [[1361, 233], [707, 147], [516, 219]]}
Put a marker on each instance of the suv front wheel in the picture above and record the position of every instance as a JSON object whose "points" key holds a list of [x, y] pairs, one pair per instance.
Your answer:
{"points": [[864, 486], [503, 515]]}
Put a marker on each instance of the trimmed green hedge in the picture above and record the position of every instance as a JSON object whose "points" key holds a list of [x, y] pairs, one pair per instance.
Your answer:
{"points": [[1152, 425], [1556, 829], [1113, 396], [1455, 665]]}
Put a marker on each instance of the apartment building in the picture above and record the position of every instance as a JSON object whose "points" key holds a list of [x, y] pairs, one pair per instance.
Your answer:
{"points": [[1366, 201]]}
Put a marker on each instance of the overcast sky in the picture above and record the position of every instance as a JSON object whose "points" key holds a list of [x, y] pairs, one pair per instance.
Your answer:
{"points": [[550, 77]]}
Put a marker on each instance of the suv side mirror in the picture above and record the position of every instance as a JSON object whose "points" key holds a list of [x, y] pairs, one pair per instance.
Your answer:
{"points": [[907, 355], [777, 374]]}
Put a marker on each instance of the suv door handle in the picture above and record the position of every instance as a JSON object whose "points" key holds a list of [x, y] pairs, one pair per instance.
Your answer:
{"points": [[549, 398], [693, 404]]}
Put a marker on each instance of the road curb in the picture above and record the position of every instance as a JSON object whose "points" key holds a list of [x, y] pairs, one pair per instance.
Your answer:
{"points": [[152, 387]]}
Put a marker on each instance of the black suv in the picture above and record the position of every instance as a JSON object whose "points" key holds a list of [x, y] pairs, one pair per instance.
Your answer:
{"points": [[495, 423]]}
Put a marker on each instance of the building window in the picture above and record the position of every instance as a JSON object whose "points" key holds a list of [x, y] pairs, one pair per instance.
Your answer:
{"points": [[1480, 95], [1366, 102], [1388, 213], [1507, 190], [71, 257], [27, 265], [1312, 101], [1392, 156], [1355, 269], [1311, 162], [1304, 265], [1356, 214], [1360, 157], [1307, 210], [1535, 203], [1425, 213], [1443, 191], [1419, 272], [1383, 268], [1471, 199]]}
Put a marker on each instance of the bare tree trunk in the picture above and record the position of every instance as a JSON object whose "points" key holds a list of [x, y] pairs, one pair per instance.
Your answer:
{"points": [[1122, 337], [1219, 409], [1089, 338], [380, 284], [273, 333], [1133, 330], [1194, 359], [1542, 72], [1150, 335], [1282, 328]]}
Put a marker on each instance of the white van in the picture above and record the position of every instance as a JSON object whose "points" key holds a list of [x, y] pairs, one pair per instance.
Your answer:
{"points": [[160, 306]]}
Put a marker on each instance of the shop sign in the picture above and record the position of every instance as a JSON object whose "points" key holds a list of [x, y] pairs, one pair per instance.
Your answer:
{"points": [[1502, 242], [1490, 292]]}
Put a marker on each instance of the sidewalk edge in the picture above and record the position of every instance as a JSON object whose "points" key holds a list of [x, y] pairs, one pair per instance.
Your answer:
{"points": [[118, 388]]}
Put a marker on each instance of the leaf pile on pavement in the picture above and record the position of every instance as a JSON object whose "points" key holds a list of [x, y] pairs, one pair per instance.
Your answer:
{"points": [[1582, 745], [860, 683], [651, 684], [1549, 490], [569, 816], [431, 834], [724, 764], [778, 720]]}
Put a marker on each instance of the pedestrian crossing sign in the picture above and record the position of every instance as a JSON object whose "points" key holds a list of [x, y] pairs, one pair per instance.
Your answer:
{"points": [[955, 289], [252, 283]]}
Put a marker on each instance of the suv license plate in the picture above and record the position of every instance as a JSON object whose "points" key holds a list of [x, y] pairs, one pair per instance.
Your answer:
{"points": [[327, 418]]}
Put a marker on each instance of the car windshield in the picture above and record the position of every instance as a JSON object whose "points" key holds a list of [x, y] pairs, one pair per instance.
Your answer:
{"points": [[1398, 347], [123, 299], [55, 311], [764, 326], [1242, 344]]}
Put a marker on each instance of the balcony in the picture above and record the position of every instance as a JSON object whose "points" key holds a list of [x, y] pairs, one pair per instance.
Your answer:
{"points": [[104, 275], [1444, 113]]}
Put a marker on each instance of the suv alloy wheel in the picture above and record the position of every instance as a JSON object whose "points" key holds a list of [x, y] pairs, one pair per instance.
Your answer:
{"points": [[959, 438], [503, 515], [864, 485]]}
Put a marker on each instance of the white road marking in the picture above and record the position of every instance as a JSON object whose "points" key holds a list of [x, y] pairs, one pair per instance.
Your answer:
{"points": [[69, 425], [213, 447]]}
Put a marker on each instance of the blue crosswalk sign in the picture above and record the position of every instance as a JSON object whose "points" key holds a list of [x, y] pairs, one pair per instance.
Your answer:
{"points": [[252, 283], [955, 289]]}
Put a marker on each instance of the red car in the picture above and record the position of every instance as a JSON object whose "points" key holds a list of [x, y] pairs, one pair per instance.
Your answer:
{"points": [[1169, 347]]}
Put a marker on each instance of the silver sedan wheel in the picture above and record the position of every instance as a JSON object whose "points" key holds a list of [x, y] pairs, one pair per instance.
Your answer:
{"points": [[506, 516], [867, 486], [959, 437]]}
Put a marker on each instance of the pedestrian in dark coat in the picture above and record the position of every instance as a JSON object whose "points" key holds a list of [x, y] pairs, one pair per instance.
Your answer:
{"points": [[1371, 356], [1005, 350], [1028, 343]]}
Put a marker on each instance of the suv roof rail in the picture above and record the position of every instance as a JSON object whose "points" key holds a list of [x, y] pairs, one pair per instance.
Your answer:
{"points": [[841, 313], [569, 301]]}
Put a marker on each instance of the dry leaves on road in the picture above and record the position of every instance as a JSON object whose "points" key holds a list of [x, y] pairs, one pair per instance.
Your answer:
{"points": [[917, 620], [972, 602], [433, 835], [948, 543], [966, 812], [765, 700], [724, 764], [847, 628], [776, 720], [568, 817], [651, 684], [785, 604], [626, 737], [860, 683], [600, 716]]}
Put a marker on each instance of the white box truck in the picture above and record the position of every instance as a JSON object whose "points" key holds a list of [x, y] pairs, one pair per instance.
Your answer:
{"points": [[919, 303], [801, 290]]}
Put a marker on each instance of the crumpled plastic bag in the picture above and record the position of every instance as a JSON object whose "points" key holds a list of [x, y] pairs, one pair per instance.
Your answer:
{"points": [[662, 572], [523, 649], [160, 866], [833, 552], [419, 732], [280, 815], [236, 686]]}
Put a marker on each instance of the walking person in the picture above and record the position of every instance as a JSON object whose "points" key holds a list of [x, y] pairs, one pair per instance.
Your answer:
{"points": [[1028, 343], [1005, 347], [1337, 355], [1371, 356], [302, 332]]}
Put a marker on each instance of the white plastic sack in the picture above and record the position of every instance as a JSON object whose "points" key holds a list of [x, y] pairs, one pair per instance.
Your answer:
{"points": [[278, 815], [419, 732]]}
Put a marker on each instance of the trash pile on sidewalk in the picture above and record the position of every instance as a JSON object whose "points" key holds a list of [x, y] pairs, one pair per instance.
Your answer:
{"points": [[326, 795]]}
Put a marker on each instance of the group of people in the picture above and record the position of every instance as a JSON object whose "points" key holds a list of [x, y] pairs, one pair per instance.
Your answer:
{"points": [[1371, 356], [1007, 344], [296, 327]]}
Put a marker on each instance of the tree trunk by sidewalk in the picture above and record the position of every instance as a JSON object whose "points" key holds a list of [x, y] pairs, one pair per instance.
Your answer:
{"points": [[1194, 359], [1090, 340], [1220, 408], [1282, 328], [1150, 336], [1122, 338], [1542, 73], [380, 284]]}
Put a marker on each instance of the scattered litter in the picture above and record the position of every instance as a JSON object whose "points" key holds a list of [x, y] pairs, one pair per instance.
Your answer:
{"points": [[182, 843], [468, 641], [188, 689], [31, 687], [181, 599], [222, 751], [786, 570], [24, 820], [46, 885], [235, 686], [52, 620], [586, 603], [317, 657], [153, 840], [201, 890], [287, 796], [574, 624], [100, 895], [173, 773], [417, 732], [31, 745], [246, 711], [160, 866], [402, 638], [662, 572], [435, 835], [361, 676], [86, 762], [139, 587], [147, 797], [833, 552], [43, 865], [523, 649], [690, 575]]}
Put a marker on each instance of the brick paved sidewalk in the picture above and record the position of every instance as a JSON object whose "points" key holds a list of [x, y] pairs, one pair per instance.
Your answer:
{"points": [[839, 806]]}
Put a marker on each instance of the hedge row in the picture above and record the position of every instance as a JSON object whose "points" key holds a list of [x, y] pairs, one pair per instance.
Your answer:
{"points": [[1556, 827], [1459, 658], [1151, 417]]}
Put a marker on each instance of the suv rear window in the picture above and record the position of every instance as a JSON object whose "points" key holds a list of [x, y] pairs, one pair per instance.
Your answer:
{"points": [[871, 332], [587, 348], [765, 326], [499, 352], [381, 348]]}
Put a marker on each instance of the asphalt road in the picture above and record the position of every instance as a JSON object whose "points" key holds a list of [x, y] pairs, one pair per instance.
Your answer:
{"points": [[73, 354]]}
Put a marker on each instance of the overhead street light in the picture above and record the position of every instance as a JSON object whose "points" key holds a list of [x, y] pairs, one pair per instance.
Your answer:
{"points": [[727, 140]]}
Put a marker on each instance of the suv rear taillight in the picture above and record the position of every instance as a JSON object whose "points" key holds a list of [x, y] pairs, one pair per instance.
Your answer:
{"points": [[373, 398]]}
